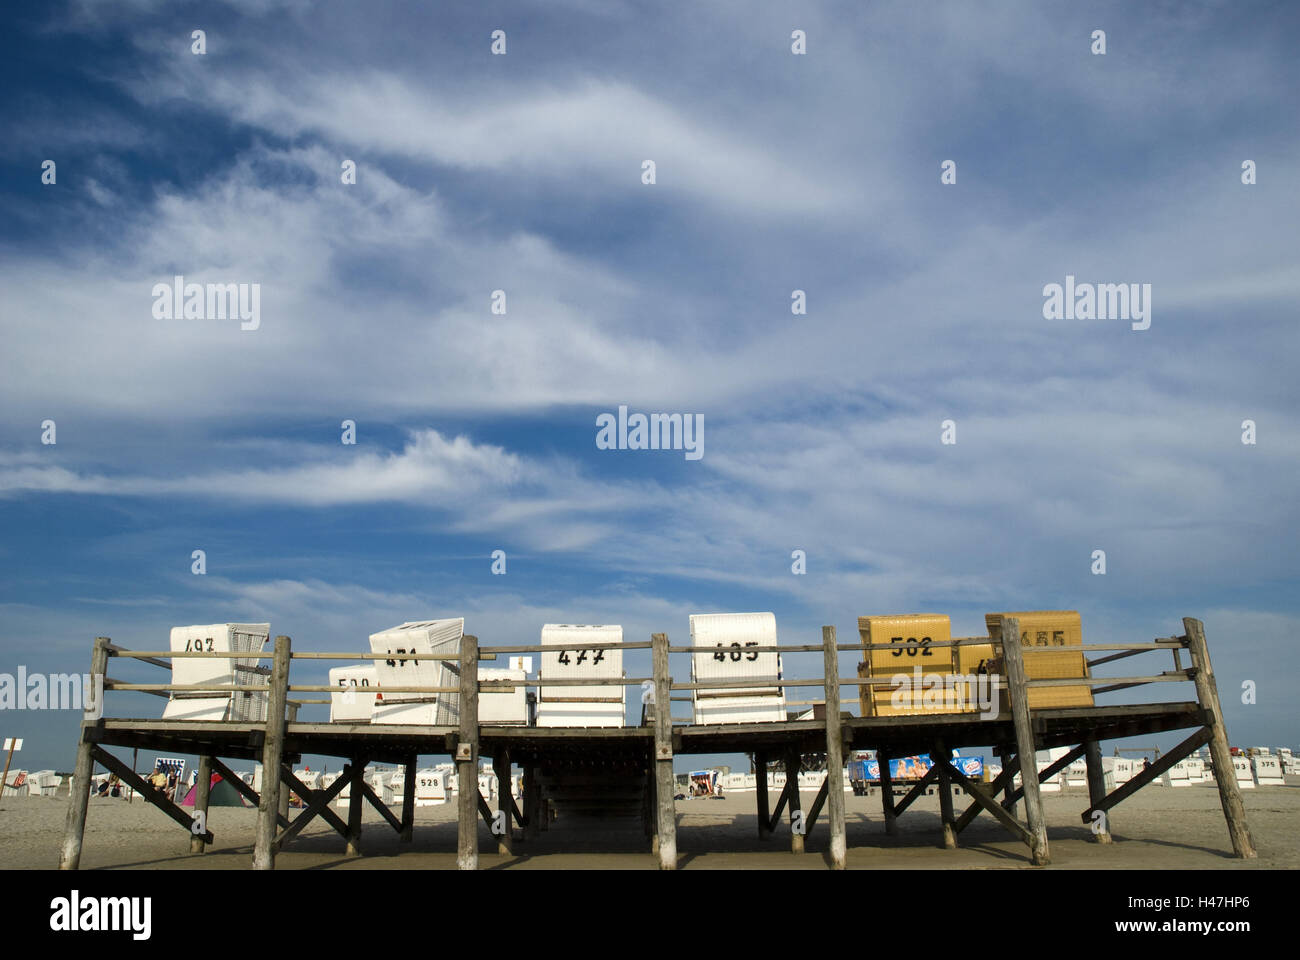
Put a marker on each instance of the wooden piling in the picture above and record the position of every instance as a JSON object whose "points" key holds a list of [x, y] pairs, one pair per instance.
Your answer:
{"points": [[1019, 693], [666, 813], [356, 797], [268, 806], [834, 752], [939, 756], [887, 792], [288, 768], [202, 794], [282, 808], [79, 788], [1097, 788], [467, 795], [793, 761], [532, 809], [408, 800], [649, 806], [4, 777], [1007, 754], [1207, 692], [505, 802], [760, 790]]}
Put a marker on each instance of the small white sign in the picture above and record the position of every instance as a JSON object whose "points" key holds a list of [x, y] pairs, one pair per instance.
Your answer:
{"points": [[522, 663], [11, 744]]}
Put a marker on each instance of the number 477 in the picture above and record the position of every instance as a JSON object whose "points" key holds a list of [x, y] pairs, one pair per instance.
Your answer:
{"points": [[596, 656]]}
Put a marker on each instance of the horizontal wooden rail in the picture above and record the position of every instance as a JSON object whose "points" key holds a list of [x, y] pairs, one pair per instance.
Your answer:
{"points": [[583, 682], [820, 648], [205, 687], [959, 642], [371, 655], [952, 679], [194, 654], [115, 651], [489, 685], [556, 648], [326, 688], [745, 684], [757, 648], [111, 684], [1169, 676]]}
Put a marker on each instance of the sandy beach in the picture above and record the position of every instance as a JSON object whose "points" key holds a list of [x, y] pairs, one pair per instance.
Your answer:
{"points": [[1158, 828]]}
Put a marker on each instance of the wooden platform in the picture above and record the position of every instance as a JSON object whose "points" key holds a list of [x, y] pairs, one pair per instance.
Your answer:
{"points": [[394, 743], [624, 769]]}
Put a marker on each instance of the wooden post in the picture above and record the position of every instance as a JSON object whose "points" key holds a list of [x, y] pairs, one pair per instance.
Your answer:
{"points": [[887, 792], [649, 802], [939, 756], [467, 758], [793, 761], [268, 805], [666, 813], [1007, 754], [202, 794], [283, 806], [834, 752], [1097, 788], [79, 787], [1019, 693], [284, 790], [544, 803], [531, 807], [1207, 692], [760, 790], [505, 802], [135, 766], [4, 777], [356, 796], [408, 801]]}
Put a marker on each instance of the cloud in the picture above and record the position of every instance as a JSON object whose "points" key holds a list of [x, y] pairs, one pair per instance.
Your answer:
{"points": [[775, 173], [429, 469]]}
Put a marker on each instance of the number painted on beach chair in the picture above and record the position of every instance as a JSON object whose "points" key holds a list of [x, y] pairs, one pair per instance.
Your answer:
{"points": [[912, 646]]}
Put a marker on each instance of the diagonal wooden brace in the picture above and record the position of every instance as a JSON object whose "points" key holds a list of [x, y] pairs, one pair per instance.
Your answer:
{"points": [[1194, 742], [1051, 770], [987, 801], [378, 804], [816, 808], [317, 805], [999, 782]]}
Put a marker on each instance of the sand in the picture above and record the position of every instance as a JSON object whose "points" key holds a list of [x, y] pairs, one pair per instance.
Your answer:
{"points": [[1158, 828]]}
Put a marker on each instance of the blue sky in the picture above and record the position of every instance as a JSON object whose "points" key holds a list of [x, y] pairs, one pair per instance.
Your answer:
{"points": [[522, 172]]}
